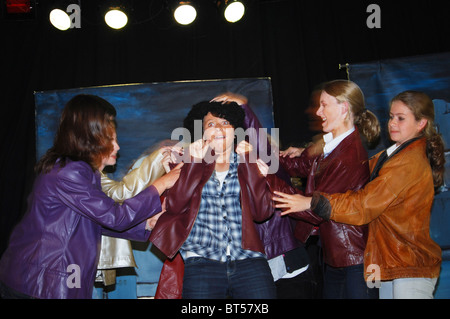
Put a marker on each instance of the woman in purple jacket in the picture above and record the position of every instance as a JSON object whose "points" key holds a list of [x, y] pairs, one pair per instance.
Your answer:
{"points": [[337, 163], [53, 252]]}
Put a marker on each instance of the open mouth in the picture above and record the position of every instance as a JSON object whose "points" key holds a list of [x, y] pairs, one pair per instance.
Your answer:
{"points": [[217, 137]]}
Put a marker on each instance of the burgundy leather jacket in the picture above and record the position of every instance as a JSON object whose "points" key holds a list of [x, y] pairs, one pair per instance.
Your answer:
{"points": [[183, 202], [345, 168]]}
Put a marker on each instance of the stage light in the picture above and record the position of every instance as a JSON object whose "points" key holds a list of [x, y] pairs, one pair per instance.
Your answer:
{"points": [[63, 20], [116, 18], [60, 19], [234, 11], [185, 12]]}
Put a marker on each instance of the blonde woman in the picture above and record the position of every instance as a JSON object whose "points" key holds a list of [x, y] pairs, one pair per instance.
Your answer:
{"points": [[337, 163]]}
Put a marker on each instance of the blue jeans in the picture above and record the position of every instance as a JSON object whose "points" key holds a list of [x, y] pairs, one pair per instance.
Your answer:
{"points": [[241, 279], [347, 283]]}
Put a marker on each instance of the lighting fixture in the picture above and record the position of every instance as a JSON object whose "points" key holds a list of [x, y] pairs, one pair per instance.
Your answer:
{"points": [[60, 19], [63, 18], [234, 11], [116, 18], [185, 12]]}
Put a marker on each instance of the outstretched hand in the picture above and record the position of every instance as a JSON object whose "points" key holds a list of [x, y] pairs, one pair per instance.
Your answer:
{"points": [[151, 222], [170, 156], [230, 97], [291, 203], [244, 147], [199, 148], [292, 152], [168, 180]]}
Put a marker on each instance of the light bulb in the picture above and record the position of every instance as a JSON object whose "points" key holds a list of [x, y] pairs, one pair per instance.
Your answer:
{"points": [[60, 19], [116, 19], [234, 11], [185, 14]]}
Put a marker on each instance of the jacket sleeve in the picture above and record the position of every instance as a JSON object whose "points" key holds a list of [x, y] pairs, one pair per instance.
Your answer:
{"points": [[77, 190], [366, 204], [136, 180], [301, 166], [250, 120], [258, 191], [277, 184], [295, 167]]}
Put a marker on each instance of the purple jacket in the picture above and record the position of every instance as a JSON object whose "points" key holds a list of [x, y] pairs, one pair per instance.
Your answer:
{"points": [[277, 233], [53, 252]]}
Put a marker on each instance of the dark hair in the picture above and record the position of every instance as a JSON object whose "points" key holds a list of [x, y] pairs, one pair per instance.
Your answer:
{"points": [[85, 133], [422, 107], [232, 112]]}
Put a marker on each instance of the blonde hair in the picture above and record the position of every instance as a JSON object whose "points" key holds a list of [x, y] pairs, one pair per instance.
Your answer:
{"points": [[366, 121]]}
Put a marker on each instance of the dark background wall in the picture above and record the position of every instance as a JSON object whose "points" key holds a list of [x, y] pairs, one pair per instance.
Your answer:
{"points": [[297, 43]]}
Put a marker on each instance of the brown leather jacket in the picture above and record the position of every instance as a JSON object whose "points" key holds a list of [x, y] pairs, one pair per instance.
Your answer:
{"points": [[183, 202], [345, 168], [397, 206]]}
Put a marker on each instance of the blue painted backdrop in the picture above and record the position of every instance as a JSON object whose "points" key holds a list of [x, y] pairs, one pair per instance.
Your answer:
{"points": [[147, 113], [382, 80]]}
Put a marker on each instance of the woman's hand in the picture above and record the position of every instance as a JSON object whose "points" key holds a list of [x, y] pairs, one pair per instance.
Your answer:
{"points": [[199, 148], [291, 203], [168, 180], [244, 147], [230, 97], [165, 162], [169, 156], [151, 222], [292, 152]]}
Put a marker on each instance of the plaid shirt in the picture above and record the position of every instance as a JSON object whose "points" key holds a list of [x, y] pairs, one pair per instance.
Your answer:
{"points": [[217, 231]]}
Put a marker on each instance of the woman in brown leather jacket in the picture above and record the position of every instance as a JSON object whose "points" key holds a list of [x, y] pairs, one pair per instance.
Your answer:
{"points": [[400, 255], [336, 164]]}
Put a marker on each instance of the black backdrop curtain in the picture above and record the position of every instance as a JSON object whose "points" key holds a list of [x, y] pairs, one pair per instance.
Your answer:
{"points": [[298, 44]]}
